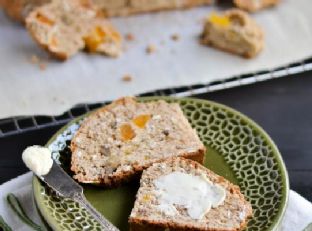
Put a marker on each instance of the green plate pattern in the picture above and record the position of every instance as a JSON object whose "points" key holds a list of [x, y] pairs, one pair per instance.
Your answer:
{"points": [[237, 149]]}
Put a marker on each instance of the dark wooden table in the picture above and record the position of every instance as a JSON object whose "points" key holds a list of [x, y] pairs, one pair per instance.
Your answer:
{"points": [[283, 107]]}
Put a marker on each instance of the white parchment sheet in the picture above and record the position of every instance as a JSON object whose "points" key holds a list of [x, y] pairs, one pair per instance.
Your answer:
{"points": [[27, 90]]}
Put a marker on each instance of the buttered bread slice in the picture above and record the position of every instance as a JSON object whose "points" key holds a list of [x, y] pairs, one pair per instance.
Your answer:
{"points": [[115, 143], [180, 194], [65, 27]]}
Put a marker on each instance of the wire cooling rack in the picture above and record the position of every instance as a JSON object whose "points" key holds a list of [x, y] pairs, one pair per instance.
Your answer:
{"points": [[16, 125]]}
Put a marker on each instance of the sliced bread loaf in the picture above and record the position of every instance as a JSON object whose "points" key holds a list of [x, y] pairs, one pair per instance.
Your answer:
{"points": [[253, 6], [65, 27], [19, 9], [115, 143], [233, 31], [128, 7], [180, 194]]}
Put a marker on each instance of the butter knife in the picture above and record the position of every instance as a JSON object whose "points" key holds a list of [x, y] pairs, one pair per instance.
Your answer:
{"points": [[63, 184]]}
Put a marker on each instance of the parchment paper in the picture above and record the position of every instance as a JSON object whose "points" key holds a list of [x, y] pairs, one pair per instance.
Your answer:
{"points": [[27, 90]]}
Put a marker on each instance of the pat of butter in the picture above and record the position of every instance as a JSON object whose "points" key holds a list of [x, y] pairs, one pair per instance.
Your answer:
{"points": [[38, 159], [194, 193]]}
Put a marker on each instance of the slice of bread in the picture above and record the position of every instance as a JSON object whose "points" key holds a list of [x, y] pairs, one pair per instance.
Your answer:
{"points": [[147, 214], [233, 31], [115, 143], [256, 5], [65, 27]]}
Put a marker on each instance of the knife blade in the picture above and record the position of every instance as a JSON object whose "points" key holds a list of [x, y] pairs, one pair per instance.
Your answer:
{"points": [[63, 184]]}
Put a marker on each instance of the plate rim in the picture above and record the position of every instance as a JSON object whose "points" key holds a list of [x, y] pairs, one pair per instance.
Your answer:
{"points": [[284, 173]]}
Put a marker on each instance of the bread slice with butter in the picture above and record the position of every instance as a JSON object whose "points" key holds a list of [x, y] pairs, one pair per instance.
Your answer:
{"points": [[180, 194], [233, 31], [255, 5], [65, 27], [115, 143]]}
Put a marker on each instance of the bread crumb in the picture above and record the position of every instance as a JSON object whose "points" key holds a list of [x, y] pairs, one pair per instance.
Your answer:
{"points": [[129, 37], [127, 78], [175, 37], [34, 59], [42, 66], [150, 49]]}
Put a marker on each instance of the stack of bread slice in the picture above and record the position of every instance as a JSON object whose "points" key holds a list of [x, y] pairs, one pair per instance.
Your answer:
{"points": [[118, 142]]}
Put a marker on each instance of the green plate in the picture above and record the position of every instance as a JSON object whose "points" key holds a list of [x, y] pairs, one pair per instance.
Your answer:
{"points": [[237, 148]]}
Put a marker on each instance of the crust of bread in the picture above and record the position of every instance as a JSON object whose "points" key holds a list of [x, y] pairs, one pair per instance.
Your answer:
{"points": [[58, 55], [245, 55], [128, 10], [13, 9], [252, 7], [139, 224], [17, 10], [125, 176]]}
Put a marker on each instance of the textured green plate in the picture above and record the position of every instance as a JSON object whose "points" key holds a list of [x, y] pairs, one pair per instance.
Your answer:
{"points": [[237, 149]]}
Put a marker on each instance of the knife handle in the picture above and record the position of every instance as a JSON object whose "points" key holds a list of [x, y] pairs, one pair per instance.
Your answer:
{"points": [[107, 226]]}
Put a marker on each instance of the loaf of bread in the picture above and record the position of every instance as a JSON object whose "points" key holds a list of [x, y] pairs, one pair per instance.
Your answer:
{"points": [[128, 7], [115, 143], [19, 9], [253, 6], [233, 31], [65, 27], [153, 209]]}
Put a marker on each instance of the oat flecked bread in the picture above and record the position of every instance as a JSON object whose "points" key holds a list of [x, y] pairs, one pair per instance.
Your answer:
{"points": [[19, 9], [147, 214], [128, 7], [115, 143], [255, 5], [65, 27], [233, 31]]}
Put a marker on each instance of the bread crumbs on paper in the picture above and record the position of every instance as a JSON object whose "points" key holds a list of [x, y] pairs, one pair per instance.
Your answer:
{"points": [[150, 49], [127, 78], [129, 37], [175, 37], [42, 66], [34, 59]]}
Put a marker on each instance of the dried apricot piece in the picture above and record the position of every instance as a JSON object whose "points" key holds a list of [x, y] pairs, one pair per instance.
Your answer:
{"points": [[44, 19], [219, 20], [126, 132], [53, 41], [94, 39], [141, 120], [146, 198]]}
